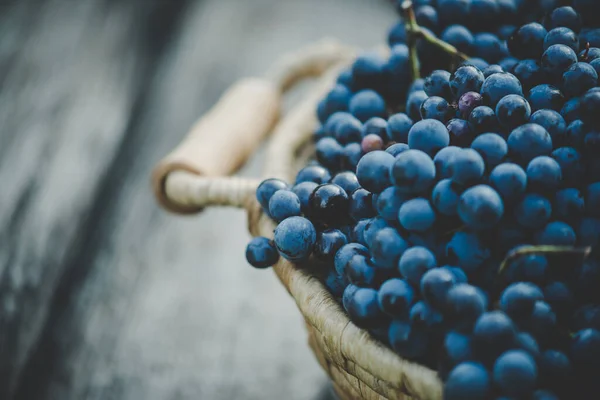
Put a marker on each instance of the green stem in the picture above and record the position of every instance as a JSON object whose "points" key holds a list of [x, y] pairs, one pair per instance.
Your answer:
{"points": [[544, 249], [412, 30]]}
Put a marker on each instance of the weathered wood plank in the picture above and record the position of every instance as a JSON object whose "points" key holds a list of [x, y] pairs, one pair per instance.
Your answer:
{"points": [[168, 309], [71, 75]]}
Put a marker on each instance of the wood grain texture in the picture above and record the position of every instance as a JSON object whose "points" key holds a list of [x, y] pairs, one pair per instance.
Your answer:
{"points": [[104, 295]]}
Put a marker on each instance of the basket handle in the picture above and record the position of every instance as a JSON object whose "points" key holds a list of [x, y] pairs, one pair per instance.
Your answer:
{"points": [[221, 141]]}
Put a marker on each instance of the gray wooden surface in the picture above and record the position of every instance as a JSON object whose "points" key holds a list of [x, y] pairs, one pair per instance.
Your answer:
{"points": [[102, 294]]}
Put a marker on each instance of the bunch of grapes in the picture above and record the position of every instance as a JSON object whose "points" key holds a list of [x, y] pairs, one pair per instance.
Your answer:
{"points": [[457, 217]]}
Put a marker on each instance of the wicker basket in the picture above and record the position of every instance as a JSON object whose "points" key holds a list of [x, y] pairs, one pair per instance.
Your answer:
{"points": [[195, 175]]}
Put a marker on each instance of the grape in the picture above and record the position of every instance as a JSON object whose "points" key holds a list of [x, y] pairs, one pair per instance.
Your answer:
{"points": [[527, 343], [563, 36], [497, 86], [480, 207], [368, 71], [438, 84], [533, 211], [284, 204], [435, 285], [460, 131], [346, 180], [556, 233], [492, 69], [303, 190], [332, 121], [361, 204], [397, 34], [313, 173], [373, 169], [569, 204], [560, 298], [543, 174], [370, 143], [398, 127], [453, 11], [553, 122], [445, 197], [457, 347], [464, 304], [515, 373], [579, 78], [466, 79], [267, 189], [546, 96], [512, 111], [467, 250], [587, 316], [468, 381], [416, 215], [492, 148], [459, 37], [557, 59], [527, 41], [590, 104], [493, 334], [571, 164], [407, 341], [386, 248], [295, 238], [413, 105], [427, 16], [476, 62], [571, 110], [529, 141], [367, 104], [397, 148], [596, 65], [261, 252], [348, 130], [588, 232], [329, 203], [529, 72], [428, 135], [396, 297], [328, 243], [360, 271], [414, 263], [489, 47], [436, 108], [375, 126], [372, 227], [363, 308], [351, 155], [518, 300], [529, 268], [329, 153], [425, 317], [468, 102], [542, 323], [345, 254], [389, 202], [508, 63], [417, 86], [467, 167], [442, 161], [483, 119], [412, 171], [567, 17], [585, 349]]}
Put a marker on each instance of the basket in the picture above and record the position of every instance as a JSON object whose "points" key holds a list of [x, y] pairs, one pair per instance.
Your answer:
{"points": [[196, 175]]}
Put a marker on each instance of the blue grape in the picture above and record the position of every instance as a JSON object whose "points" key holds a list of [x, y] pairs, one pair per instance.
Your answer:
{"points": [[585, 349], [575, 134], [476, 62], [515, 373], [483, 119], [557, 59], [527, 41], [543, 174], [546, 96], [284, 204], [555, 370], [459, 37], [435, 285], [361, 272], [468, 381], [414, 263], [413, 105], [397, 34], [386, 248], [578, 79], [428, 136], [500, 85], [336, 284], [442, 160], [438, 84], [592, 199], [561, 35], [389, 202], [567, 17], [464, 304], [373, 226], [542, 323], [406, 341], [261, 252], [375, 126], [397, 148], [412, 171], [418, 85], [492, 148], [529, 141], [367, 104], [533, 211], [518, 300], [373, 171], [553, 122], [329, 203], [467, 250], [436, 108], [267, 189], [466, 79], [457, 347], [295, 238], [348, 130], [569, 204], [328, 243], [588, 232], [425, 317], [468, 102], [590, 104], [513, 111], [351, 155], [587, 316], [508, 63], [357, 234], [493, 334], [460, 131], [398, 127], [571, 110], [445, 197], [416, 215], [303, 190], [571, 164], [528, 268], [363, 308], [480, 207], [467, 167], [346, 180], [489, 47], [556, 233], [527, 343], [313, 173], [529, 72], [561, 299], [329, 153], [396, 297], [369, 71], [492, 69], [361, 205], [344, 255]]}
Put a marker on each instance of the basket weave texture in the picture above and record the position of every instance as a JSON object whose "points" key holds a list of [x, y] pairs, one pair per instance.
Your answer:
{"points": [[195, 175]]}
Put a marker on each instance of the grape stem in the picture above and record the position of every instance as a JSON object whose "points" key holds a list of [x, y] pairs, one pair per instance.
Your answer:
{"points": [[414, 31], [544, 249]]}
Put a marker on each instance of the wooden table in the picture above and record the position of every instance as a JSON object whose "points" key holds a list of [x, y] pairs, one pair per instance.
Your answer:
{"points": [[102, 294]]}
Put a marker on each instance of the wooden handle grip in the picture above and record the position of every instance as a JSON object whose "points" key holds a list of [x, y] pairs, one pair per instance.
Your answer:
{"points": [[222, 140]]}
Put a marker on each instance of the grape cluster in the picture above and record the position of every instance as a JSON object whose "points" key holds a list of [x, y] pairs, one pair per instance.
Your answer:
{"points": [[457, 217]]}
